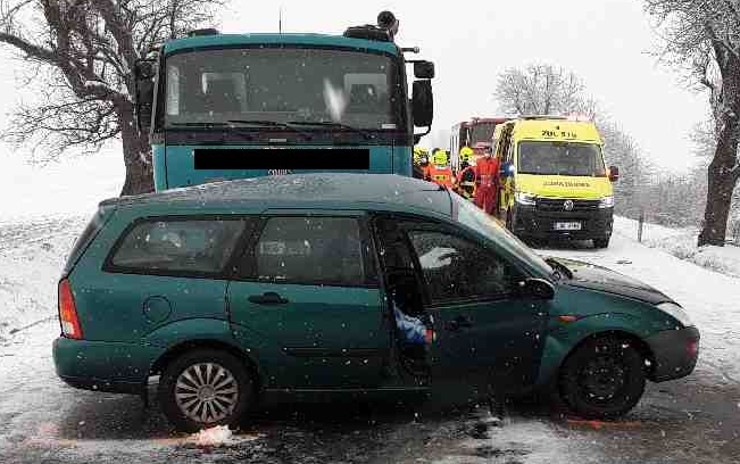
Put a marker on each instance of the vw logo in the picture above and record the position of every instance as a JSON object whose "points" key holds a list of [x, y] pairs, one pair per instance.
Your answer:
{"points": [[568, 205]]}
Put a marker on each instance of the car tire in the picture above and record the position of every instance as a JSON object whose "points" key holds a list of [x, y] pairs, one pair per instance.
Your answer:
{"points": [[205, 388], [603, 378], [601, 242]]}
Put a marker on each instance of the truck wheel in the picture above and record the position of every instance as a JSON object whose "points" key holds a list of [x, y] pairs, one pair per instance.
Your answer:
{"points": [[205, 388], [603, 378], [601, 242]]}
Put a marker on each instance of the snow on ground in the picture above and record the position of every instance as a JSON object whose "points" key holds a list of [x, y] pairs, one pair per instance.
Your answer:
{"points": [[32, 255], [681, 242]]}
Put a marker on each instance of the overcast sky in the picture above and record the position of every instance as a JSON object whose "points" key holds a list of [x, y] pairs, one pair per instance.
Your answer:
{"points": [[606, 42]]}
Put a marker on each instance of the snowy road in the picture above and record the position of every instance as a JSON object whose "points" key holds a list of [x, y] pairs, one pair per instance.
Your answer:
{"points": [[692, 420]]}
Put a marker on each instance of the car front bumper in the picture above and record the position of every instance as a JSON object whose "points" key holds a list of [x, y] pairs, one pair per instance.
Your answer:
{"points": [[533, 222], [675, 353], [103, 366]]}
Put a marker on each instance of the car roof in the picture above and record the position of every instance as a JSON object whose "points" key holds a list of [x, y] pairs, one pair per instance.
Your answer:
{"points": [[300, 191]]}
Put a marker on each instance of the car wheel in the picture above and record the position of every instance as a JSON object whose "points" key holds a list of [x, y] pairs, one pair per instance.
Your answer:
{"points": [[205, 388], [603, 378], [601, 242]]}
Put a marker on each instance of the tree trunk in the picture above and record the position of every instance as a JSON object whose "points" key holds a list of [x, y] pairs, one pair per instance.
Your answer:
{"points": [[721, 183], [137, 155], [722, 172]]}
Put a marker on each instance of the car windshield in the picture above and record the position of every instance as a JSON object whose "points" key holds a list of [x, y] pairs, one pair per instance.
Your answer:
{"points": [[561, 158], [473, 217], [281, 85]]}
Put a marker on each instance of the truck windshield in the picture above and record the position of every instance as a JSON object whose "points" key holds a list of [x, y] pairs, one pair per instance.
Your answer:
{"points": [[561, 158], [282, 85]]}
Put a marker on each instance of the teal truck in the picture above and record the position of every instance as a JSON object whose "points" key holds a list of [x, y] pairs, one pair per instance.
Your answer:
{"points": [[227, 106]]}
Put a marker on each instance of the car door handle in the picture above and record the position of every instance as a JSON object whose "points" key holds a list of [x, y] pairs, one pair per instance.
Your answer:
{"points": [[460, 322], [268, 298]]}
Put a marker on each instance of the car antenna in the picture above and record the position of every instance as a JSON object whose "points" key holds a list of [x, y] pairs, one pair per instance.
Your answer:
{"points": [[280, 20]]}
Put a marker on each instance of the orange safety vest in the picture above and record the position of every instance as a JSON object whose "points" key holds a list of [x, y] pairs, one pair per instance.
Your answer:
{"points": [[441, 176]]}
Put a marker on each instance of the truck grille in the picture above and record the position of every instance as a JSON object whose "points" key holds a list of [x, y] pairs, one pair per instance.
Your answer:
{"points": [[558, 204]]}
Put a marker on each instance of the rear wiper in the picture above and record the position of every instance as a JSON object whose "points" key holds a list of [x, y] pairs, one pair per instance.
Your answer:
{"points": [[336, 125], [559, 267]]}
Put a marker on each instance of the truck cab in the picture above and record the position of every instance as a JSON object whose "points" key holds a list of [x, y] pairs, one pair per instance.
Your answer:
{"points": [[228, 106]]}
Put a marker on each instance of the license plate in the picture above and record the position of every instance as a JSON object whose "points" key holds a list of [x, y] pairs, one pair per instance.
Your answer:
{"points": [[567, 226]]}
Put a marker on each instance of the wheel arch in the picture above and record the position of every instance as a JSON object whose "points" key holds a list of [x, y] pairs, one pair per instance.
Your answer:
{"points": [[181, 348], [635, 341]]}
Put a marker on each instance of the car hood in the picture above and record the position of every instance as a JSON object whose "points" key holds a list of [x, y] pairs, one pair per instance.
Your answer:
{"points": [[586, 275]]}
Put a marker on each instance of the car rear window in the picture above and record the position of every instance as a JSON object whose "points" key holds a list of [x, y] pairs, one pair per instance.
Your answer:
{"points": [[201, 246], [87, 236]]}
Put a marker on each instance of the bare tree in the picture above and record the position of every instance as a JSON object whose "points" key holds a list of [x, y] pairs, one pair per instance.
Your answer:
{"points": [[82, 55], [540, 89], [703, 39]]}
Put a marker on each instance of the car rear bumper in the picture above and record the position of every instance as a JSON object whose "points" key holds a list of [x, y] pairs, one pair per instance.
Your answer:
{"points": [[103, 366], [531, 221], [675, 353]]}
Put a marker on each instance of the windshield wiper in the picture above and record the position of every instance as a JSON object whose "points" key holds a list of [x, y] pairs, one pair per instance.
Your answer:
{"points": [[268, 123], [199, 124], [559, 268], [335, 125]]}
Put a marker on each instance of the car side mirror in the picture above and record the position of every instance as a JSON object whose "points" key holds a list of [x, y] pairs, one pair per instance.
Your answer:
{"points": [[613, 173], [539, 289], [424, 70], [144, 73], [422, 103]]}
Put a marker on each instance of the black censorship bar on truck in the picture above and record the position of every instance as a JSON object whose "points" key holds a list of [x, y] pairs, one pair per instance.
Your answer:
{"points": [[277, 158]]}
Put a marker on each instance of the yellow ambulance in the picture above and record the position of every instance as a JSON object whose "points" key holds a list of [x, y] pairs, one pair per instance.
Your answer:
{"points": [[554, 180]]}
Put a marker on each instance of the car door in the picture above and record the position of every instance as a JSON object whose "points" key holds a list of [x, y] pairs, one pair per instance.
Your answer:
{"points": [[487, 334], [308, 303]]}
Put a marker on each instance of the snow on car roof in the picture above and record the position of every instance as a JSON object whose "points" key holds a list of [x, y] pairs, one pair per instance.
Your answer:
{"points": [[302, 190]]}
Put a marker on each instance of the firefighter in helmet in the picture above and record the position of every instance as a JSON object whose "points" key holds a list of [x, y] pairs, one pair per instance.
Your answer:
{"points": [[465, 180], [440, 171]]}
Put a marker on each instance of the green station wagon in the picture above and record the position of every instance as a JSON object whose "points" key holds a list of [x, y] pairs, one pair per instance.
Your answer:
{"points": [[237, 292]]}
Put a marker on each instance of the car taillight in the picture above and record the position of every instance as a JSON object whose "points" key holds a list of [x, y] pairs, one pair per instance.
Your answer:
{"points": [[692, 348], [68, 312]]}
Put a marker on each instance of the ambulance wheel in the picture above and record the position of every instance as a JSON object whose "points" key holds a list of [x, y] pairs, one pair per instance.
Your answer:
{"points": [[601, 242]]}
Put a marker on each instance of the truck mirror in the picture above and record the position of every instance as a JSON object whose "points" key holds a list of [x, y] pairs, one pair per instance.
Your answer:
{"points": [[144, 73], [613, 173], [424, 70], [423, 103]]}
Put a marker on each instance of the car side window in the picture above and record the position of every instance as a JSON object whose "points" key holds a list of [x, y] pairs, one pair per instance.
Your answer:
{"points": [[177, 245], [457, 269], [310, 250]]}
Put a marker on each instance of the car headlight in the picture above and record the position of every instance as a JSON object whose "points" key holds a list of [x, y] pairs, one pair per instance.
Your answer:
{"points": [[676, 312], [525, 199], [606, 202]]}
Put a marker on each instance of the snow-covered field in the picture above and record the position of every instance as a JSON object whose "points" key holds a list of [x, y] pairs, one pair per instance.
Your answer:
{"points": [[681, 242]]}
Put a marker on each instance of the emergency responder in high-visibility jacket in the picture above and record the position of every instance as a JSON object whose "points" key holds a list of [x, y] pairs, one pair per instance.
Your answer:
{"points": [[466, 155], [466, 180], [487, 182], [439, 170], [419, 154]]}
